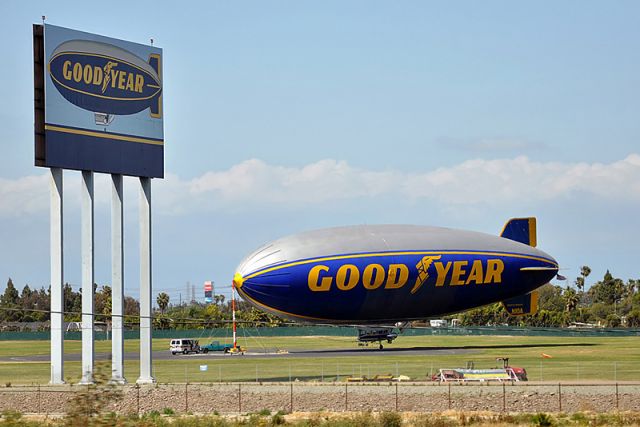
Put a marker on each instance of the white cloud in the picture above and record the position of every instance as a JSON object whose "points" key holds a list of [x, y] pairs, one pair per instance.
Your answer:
{"points": [[256, 183]]}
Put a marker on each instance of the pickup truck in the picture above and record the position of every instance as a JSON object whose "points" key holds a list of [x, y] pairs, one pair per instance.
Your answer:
{"points": [[216, 346]]}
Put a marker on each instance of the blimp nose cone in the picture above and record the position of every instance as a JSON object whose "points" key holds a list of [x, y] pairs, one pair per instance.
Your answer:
{"points": [[238, 280]]}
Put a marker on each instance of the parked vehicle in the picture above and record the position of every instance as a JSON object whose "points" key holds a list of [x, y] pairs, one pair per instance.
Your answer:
{"points": [[216, 346], [184, 346]]}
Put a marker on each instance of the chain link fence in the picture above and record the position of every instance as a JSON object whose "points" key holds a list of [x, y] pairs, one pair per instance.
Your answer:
{"points": [[339, 396]]}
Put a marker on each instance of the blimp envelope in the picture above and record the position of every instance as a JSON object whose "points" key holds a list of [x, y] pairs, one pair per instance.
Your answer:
{"points": [[103, 104]]}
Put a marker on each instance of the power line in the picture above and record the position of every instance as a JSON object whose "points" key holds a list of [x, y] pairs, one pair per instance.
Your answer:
{"points": [[182, 320]]}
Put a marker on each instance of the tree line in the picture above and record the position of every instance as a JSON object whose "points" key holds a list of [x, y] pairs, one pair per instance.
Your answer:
{"points": [[609, 302]]}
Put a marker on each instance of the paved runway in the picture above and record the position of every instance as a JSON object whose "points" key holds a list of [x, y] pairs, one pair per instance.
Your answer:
{"points": [[263, 353]]}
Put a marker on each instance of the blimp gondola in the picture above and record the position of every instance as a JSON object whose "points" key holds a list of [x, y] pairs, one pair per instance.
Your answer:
{"points": [[372, 275]]}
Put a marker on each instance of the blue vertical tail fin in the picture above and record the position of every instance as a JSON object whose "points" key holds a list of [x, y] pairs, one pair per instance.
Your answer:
{"points": [[521, 230], [522, 305]]}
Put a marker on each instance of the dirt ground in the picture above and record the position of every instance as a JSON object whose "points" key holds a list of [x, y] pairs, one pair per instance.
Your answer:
{"points": [[242, 398]]}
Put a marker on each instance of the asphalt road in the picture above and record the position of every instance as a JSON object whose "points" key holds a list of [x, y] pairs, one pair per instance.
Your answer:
{"points": [[263, 353]]}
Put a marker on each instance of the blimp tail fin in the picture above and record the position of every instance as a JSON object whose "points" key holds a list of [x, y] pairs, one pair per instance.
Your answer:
{"points": [[521, 230], [522, 305], [156, 105]]}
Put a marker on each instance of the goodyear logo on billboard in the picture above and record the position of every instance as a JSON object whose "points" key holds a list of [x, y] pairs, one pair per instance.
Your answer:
{"points": [[103, 78]]}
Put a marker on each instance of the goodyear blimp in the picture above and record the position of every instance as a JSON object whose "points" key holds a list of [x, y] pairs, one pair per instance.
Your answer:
{"points": [[389, 274]]}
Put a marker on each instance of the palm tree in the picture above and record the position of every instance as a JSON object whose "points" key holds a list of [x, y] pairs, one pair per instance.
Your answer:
{"points": [[580, 281], [163, 301], [571, 299]]}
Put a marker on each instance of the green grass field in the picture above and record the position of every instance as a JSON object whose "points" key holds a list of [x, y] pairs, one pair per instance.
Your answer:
{"points": [[573, 359]]}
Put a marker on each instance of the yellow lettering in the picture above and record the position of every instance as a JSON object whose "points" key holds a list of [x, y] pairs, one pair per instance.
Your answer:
{"points": [[369, 280], [139, 83], [314, 276], [342, 282], [121, 76], [495, 267], [66, 73], [441, 271], [114, 78], [77, 72], [457, 272], [130, 81], [476, 273], [88, 74], [397, 277], [97, 76]]}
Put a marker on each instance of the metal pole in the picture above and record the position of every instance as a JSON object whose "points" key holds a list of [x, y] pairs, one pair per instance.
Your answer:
{"points": [[145, 282], [449, 384], [396, 396], [117, 280], [186, 397], [87, 255], [233, 313], [239, 398], [57, 277], [617, 397], [291, 402], [559, 397], [346, 396], [504, 398]]}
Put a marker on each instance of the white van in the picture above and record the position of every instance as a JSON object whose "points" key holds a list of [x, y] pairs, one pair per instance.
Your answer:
{"points": [[184, 346]]}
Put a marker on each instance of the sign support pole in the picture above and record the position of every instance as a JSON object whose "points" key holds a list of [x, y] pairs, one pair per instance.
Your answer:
{"points": [[117, 281], [87, 245], [145, 283], [57, 277]]}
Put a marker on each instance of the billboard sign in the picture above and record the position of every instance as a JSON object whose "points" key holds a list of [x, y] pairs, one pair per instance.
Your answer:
{"points": [[102, 103]]}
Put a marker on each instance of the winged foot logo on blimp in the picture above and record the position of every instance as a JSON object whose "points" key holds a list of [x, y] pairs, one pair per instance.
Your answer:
{"points": [[103, 78]]}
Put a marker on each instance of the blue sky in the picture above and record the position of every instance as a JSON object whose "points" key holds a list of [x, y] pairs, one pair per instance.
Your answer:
{"points": [[287, 116]]}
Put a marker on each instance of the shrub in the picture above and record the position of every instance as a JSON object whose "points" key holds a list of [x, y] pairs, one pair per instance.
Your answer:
{"points": [[542, 420], [390, 419]]}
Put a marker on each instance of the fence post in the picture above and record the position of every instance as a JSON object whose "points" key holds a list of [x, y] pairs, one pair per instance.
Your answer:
{"points": [[396, 397], [138, 399], [239, 397], [291, 402], [449, 384], [617, 396], [346, 396], [559, 397], [504, 398], [186, 397], [38, 398]]}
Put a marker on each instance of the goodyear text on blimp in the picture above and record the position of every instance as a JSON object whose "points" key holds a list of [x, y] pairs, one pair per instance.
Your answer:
{"points": [[322, 278], [95, 75]]}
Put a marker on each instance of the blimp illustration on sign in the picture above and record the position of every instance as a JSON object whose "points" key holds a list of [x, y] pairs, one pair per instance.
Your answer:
{"points": [[106, 79], [378, 277]]}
